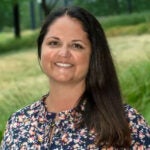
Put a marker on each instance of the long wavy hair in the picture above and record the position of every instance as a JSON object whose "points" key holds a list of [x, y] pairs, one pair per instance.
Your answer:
{"points": [[104, 111]]}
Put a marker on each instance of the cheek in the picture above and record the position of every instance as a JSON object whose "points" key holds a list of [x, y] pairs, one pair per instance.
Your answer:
{"points": [[84, 62], [47, 55], [45, 59]]}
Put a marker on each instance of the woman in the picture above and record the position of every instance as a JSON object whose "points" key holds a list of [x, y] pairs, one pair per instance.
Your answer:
{"points": [[84, 108]]}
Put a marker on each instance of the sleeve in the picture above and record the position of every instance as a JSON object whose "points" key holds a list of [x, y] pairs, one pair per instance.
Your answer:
{"points": [[140, 130], [10, 134], [8, 138]]}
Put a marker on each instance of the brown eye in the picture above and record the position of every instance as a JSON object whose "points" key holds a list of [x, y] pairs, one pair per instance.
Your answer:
{"points": [[53, 43], [77, 46]]}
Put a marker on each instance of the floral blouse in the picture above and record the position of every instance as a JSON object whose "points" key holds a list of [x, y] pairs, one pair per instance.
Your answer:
{"points": [[30, 129]]}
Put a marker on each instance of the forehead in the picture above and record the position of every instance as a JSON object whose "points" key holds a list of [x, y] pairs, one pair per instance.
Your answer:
{"points": [[66, 24], [66, 18]]}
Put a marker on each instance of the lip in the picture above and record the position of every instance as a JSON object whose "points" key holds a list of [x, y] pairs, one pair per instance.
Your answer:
{"points": [[63, 65]]}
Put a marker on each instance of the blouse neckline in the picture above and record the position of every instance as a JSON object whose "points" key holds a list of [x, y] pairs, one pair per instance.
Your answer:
{"points": [[69, 114]]}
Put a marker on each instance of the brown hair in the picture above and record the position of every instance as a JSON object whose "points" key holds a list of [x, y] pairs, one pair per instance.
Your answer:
{"points": [[104, 111]]}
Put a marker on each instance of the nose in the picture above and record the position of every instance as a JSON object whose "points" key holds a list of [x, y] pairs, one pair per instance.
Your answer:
{"points": [[64, 52]]}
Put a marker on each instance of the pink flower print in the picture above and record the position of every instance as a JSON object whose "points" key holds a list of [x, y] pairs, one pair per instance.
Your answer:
{"points": [[72, 126], [24, 146], [64, 138], [141, 121], [141, 135], [82, 132], [41, 120], [62, 116], [134, 130], [75, 146], [31, 139], [77, 140], [141, 147], [15, 124], [40, 138], [30, 112], [20, 119], [31, 132], [91, 146], [34, 123]]}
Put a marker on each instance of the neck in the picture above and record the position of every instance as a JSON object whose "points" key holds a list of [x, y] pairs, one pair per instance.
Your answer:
{"points": [[64, 97]]}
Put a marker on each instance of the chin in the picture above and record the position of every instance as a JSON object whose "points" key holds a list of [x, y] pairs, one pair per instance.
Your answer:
{"points": [[62, 80]]}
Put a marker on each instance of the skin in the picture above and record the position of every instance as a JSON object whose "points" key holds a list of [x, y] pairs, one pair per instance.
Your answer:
{"points": [[65, 56]]}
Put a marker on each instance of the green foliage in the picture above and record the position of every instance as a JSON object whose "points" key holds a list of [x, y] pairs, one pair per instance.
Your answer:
{"points": [[22, 82], [97, 7], [133, 73], [113, 7], [129, 30], [132, 59], [25, 14], [6, 13], [135, 81], [9, 43], [6, 8], [136, 23], [125, 19]]}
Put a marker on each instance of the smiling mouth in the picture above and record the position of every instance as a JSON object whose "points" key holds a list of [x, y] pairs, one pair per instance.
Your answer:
{"points": [[64, 65]]}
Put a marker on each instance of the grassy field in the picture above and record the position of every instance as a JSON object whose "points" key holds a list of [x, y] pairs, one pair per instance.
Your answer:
{"points": [[132, 59], [22, 82], [125, 20]]}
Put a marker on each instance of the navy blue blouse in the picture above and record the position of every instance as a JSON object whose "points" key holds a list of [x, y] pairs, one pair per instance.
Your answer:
{"points": [[32, 127]]}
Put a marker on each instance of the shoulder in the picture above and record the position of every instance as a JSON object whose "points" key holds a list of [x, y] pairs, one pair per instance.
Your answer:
{"points": [[134, 117], [26, 112], [19, 124], [140, 130]]}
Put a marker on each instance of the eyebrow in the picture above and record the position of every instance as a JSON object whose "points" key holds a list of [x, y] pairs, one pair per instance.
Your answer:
{"points": [[53, 37], [77, 41], [85, 43], [57, 38]]}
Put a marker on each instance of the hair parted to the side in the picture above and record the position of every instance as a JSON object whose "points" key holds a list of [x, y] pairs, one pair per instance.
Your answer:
{"points": [[104, 110]]}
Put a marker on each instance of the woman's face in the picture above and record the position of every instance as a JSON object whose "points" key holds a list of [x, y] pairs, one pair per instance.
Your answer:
{"points": [[65, 51]]}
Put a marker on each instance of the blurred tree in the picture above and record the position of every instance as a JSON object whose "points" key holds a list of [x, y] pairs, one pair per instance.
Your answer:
{"points": [[40, 11], [32, 12], [68, 2], [116, 6], [129, 6], [112, 7], [65, 2], [97, 7], [16, 16], [48, 5], [6, 14]]}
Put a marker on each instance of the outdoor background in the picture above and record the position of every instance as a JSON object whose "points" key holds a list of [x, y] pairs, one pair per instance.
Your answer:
{"points": [[127, 27]]}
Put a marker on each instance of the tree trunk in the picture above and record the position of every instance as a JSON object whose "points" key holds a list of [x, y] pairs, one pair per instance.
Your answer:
{"points": [[65, 3], [32, 12], [117, 6], [16, 19], [47, 7], [130, 6], [40, 13]]}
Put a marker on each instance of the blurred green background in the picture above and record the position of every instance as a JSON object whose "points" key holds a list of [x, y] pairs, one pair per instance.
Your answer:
{"points": [[127, 27]]}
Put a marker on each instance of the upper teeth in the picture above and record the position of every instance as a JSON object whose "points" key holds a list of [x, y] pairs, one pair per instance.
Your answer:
{"points": [[63, 65]]}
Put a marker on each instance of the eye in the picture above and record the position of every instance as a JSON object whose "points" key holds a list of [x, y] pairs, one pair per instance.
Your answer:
{"points": [[54, 43], [77, 46]]}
